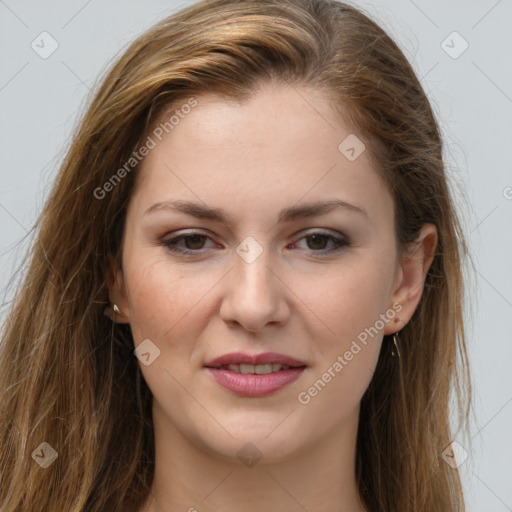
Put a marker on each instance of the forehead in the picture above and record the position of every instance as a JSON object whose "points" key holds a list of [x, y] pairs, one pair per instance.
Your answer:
{"points": [[291, 113], [283, 142]]}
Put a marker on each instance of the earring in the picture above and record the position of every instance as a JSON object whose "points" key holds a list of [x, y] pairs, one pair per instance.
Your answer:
{"points": [[114, 308], [395, 343]]}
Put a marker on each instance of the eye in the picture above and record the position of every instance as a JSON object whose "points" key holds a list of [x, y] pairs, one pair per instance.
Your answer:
{"points": [[315, 241], [194, 242]]}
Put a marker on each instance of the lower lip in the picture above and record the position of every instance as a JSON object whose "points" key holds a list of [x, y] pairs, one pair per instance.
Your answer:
{"points": [[254, 385]]}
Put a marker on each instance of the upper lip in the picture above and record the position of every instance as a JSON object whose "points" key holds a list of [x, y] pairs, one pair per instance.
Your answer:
{"points": [[264, 358]]}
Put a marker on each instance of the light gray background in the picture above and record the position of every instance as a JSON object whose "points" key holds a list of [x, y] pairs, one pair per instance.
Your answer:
{"points": [[471, 95]]}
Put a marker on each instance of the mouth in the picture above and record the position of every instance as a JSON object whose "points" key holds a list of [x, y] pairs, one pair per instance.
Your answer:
{"points": [[255, 375], [254, 369]]}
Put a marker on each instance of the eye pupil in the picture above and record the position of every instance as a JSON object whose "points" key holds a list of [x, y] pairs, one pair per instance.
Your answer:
{"points": [[195, 240], [316, 237]]}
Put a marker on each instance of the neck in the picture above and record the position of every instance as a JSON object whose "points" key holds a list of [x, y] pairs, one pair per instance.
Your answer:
{"points": [[191, 478]]}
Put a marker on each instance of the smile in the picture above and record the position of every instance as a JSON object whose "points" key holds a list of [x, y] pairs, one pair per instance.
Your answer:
{"points": [[256, 375], [259, 369]]}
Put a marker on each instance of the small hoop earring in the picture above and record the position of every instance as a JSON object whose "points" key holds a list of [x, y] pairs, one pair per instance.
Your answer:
{"points": [[115, 308], [395, 343]]}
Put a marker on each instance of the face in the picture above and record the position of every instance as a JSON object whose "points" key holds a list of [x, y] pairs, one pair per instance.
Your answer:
{"points": [[258, 280]]}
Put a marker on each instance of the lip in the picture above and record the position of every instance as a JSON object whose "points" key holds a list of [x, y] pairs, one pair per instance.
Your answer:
{"points": [[254, 385], [264, 358]]}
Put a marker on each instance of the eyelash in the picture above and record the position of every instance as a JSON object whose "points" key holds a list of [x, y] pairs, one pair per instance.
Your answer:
{"points": [[340, 242]]}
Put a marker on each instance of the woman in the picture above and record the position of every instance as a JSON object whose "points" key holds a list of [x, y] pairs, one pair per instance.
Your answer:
{"points": [[181, 342]]}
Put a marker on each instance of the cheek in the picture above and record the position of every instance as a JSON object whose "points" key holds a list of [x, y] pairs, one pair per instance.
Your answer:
{"points": [[171, 302], [167, 306], [348, 298], [171, 305], [350, 305], [160, 297]]}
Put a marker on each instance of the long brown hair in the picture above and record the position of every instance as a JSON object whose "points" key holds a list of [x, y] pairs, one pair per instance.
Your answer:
{"points": [[68, 375]]}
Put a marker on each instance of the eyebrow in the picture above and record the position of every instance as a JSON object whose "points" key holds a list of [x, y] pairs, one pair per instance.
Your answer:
{"points": [[202, 211]]}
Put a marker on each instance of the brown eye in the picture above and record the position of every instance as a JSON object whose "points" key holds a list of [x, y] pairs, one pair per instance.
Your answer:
{"points": [[192, 243], [196, 241], [318, 242]]}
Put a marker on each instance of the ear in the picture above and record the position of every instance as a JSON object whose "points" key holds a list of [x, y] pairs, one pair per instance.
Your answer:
{"points": [[410, 276], [117, 294]]}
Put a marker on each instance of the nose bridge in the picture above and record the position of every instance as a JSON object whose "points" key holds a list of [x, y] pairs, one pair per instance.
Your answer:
{"points": [[254, 296], [253, 270]]}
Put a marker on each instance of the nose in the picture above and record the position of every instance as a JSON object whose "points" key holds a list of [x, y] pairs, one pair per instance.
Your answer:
{"points": [[254, 294]]}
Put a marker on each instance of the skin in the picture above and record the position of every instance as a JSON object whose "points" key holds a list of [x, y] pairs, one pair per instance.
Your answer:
{"points": [[253, 159]]}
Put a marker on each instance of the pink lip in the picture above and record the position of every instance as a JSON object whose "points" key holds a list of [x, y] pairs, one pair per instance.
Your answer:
{"points": [[264, 358], [254, 385]]}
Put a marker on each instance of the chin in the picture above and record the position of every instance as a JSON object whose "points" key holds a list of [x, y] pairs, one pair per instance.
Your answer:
{"points": [[266, 439]]}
